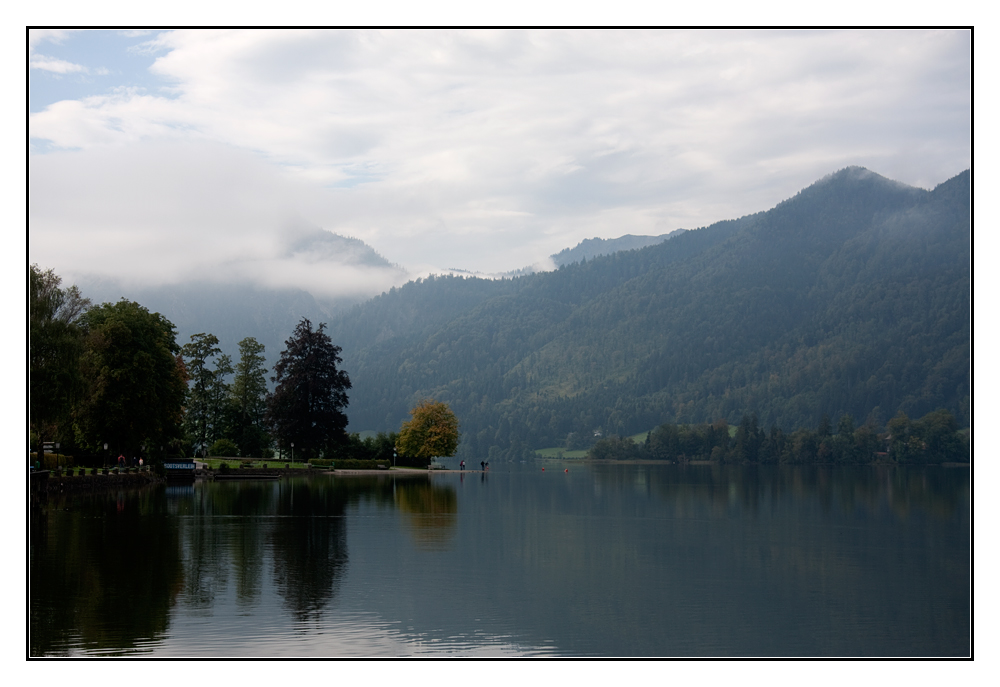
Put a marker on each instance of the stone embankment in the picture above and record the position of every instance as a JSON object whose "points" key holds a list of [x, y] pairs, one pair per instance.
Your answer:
{"points": [[51, 482]]}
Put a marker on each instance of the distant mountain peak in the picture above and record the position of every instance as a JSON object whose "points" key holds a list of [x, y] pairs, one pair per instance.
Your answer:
{"points": [[588, 249], [322, 244], [858, 174]]}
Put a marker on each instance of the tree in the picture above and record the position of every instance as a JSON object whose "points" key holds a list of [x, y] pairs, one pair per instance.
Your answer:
{"points": [[307, 406], [221, 408], [55, 346], [135, 381], [197, 354], [939, 432], [249, 395], [432, 431]]}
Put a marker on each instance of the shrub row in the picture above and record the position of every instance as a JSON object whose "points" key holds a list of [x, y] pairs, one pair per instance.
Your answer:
{"points": [[51, 460], [354, 464]]}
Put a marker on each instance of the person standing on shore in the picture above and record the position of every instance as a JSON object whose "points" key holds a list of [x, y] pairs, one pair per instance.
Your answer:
{"points": [[462, 465], [482, 466]]}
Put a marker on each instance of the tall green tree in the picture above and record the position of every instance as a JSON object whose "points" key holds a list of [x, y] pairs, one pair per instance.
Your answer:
{"points": [[221, 409], [249, 396], [307, 406], [135, 381], [208, 390], [55, 343]]}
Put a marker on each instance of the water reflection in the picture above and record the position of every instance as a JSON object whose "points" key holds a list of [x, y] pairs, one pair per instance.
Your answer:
{"points": [[431, 512], [106, 569], [935, 490], [610, 560], [309, 546], [104, 572]]}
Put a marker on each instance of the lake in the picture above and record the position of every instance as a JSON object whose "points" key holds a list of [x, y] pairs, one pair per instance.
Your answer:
{"points": [[603, 560]]}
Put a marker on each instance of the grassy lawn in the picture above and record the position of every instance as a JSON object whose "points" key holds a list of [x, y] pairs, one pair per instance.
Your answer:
{"points": [[639, 438], [555, 453]]}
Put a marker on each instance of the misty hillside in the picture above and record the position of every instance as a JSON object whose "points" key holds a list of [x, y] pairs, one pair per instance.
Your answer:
{"points": [[588, 249], [233, 311], [851, 297], [322, 245]]}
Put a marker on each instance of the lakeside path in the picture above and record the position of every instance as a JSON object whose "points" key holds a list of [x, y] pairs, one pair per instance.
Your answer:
{"points": [[398, 472], [574, 461]]}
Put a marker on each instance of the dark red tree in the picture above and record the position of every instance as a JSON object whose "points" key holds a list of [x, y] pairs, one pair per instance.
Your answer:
{"points": [[307, 406]]}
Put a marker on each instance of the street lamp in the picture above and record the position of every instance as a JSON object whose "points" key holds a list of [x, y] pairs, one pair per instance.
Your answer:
{"points": [[105, 454], [293, 451]]}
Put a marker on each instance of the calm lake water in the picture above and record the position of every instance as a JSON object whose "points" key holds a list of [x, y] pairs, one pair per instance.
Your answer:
{"points": [[605, 560]]}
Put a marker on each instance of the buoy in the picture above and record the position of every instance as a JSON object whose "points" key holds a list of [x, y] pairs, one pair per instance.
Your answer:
{"points": [[566, 470], [543, 469]]}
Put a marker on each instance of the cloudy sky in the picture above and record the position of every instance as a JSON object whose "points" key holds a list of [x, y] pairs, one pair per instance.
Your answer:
{"points": [[155, 156]]}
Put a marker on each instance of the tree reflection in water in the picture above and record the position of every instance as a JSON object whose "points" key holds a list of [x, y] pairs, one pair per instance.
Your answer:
{"points": [[107, 588], [309, 545], [706, 560], [431, 512]]}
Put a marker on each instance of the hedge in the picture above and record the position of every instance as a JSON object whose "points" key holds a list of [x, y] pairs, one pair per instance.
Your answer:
{"points": [[353, 464]]}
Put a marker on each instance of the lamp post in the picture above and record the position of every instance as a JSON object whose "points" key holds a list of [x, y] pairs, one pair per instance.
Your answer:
{"points": [[105, 455], [293, 451]]}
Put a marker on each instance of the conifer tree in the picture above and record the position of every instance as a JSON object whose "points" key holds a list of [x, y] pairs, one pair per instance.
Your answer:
{"points": [[307, 406]]}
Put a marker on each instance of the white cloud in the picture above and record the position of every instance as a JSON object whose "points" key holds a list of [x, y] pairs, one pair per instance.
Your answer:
{"points": [[51, 64], [36, 36], [163, 212], [490, 150]]}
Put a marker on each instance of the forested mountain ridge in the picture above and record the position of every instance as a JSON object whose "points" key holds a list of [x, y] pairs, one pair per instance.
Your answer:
{"points": [[851, 297], [588, 249]]}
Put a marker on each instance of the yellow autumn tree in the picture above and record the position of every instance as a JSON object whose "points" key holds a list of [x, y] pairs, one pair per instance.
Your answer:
{"points": [[431, 432]]}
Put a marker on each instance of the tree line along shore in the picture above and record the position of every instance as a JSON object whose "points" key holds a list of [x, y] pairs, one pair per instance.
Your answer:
{"points": [[110, 380]]}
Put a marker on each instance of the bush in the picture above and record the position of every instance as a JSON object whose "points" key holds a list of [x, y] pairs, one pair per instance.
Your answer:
{"points": [[267, 453], [352, 464], [320, 463], [223, 447], [51, 460], [615, 448], [411, 462]]}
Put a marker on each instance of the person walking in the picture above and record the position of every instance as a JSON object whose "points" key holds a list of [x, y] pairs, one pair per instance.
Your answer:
{"points": [[482, 466], [462, 465]]}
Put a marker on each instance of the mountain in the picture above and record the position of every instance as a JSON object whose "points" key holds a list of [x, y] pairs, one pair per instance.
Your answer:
{"points": [[852, 297], [588, 249], [321, 245], [235, 310]]}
